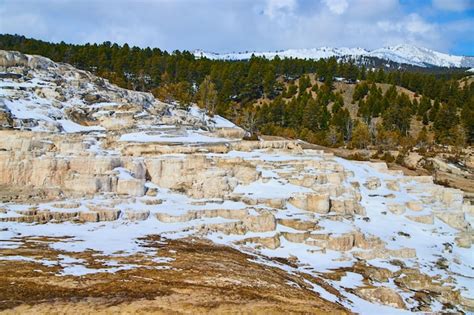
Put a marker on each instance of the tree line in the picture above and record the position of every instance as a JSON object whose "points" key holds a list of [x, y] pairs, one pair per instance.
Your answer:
{"points": [[294, 106], [317, 113]]}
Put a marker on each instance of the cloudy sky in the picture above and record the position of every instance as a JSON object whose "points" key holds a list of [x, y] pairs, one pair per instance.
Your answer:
{"points": [[240, 25]]}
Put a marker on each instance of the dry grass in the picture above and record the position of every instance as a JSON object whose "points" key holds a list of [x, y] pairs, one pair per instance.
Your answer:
{"points": [[203, 278]]}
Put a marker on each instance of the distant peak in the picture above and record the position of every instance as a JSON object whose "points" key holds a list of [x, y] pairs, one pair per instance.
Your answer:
{"points": [[402, 53]]}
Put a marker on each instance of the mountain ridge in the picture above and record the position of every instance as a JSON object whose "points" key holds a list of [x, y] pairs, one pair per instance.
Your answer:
{"points": [[402, 54]]}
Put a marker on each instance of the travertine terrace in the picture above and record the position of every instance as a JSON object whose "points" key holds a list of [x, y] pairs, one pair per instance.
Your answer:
{"points": [[87, 166]]}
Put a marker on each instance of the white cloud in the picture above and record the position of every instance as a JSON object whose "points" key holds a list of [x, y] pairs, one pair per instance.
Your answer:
{"points": [[277, 8], [412, 24], [337, 6], [233, 25], [22, 22], [453, 5], [416, 25]]}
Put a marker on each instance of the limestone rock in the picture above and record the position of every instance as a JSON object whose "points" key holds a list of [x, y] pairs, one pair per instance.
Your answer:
{"points": [[108, 214], [261, 223], [382, 295], [89, 216], [372, 183], [295, 237], [298, 224], [396, 208], [412, 159], [272, 242], [346, 206], [425, 219], [136, 215], [131, 187], [414, 206], [464, 239], [455, 219], [311, 202], [343, 242], [393, 185]]}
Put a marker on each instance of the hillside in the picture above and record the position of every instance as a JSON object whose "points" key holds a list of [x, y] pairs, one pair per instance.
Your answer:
{"points": [[238, 85], [325, 113], [110, 197]]}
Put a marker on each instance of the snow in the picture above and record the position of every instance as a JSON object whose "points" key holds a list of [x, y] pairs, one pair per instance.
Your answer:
{"points": [[312, 53], [189, 136], [417, 56], [406, 54], [351, 280], [123, 173], [23, 109], [72, 127], [45, 262], [81, 270], [270, 189], [39, 109], [221, 122], [216, 121]]}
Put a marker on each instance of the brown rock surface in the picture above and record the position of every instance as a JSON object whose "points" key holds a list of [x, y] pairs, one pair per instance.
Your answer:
{"points": [[224, 281]]}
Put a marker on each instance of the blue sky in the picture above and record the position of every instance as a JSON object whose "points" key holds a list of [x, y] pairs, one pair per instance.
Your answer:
{"points": [[240, 25]]}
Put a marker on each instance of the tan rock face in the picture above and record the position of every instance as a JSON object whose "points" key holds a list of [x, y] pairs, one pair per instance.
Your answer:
{"points": [[311, 202], [298, 224], [318, 203], [341, 243], [5, 117], [397, 208], [346, 206], [425, 219], [268, 242], [108, 214], [89, 216], [262, 223], [412, 160], [454, 219], [414, 206], [464, 240], [382, 295], [393, 185], [132, 187], [373, 183], [134, 215], [12, 59]]}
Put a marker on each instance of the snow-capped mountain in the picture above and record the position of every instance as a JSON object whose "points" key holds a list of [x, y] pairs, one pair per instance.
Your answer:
{"points": [[311, 53], [402, 54]]}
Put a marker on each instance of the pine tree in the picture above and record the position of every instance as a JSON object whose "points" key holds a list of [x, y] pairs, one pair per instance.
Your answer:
{"points": [[360, 136], [333, 136], [445, 120], [422, 139], [269, 82], [304, 83], [458, 136], [434, 110], [207, 96], [467, 116]]}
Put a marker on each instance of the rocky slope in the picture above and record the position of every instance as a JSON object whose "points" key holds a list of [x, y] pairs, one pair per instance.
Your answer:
{"points": [[102, 185]]}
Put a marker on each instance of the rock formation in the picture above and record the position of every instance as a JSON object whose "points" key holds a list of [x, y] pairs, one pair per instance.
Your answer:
{"points": [[77, 151]]}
